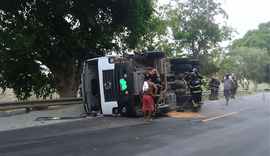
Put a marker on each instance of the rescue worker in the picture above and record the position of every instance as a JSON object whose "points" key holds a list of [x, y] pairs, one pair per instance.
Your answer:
{"points": [[216, 88], [212, 85], [202, 81], [154, 77], [234, 88], [195, 91]]}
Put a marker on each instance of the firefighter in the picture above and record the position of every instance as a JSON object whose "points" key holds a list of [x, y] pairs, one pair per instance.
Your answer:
{"points": [[195, 91], [212, 85], [234, 88], [154, 77], [202, 81], [217, 84]]}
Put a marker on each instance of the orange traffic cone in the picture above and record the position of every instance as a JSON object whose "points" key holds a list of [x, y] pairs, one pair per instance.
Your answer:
{"points": [[263, 97]]}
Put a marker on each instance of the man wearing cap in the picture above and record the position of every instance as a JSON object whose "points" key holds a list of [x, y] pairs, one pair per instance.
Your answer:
{"points": [[234, 88], [227, 86]]}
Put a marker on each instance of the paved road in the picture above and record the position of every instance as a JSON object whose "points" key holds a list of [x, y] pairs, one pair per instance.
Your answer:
{"points": [[239, 129]]}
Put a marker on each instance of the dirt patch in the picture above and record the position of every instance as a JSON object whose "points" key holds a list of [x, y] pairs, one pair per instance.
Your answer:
{"points": [[176, 114], [8, 95]]}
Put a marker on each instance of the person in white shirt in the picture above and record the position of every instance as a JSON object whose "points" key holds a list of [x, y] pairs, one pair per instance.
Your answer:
{"points": [[228, 83]]}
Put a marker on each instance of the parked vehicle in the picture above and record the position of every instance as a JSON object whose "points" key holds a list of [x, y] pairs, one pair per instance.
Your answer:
{"points": [[111, 84]]}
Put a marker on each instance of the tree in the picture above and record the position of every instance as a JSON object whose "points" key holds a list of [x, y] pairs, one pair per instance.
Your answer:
{"points": [[210, 62], [247, 63], [158, 37], [57, 34], [156, 27], [194, 27], [257, 38]]}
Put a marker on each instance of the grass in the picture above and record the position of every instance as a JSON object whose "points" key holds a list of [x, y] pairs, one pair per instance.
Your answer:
{"points": [[8, 95], [261, 87]]}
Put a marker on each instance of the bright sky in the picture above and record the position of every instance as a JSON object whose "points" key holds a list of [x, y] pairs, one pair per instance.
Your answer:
{"points": [[244, 15]]}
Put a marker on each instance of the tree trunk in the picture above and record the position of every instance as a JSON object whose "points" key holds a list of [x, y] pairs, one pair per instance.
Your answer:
{"points": [[242, 84], [194, 51], [255, 84], [248, 82], [68, 83]]}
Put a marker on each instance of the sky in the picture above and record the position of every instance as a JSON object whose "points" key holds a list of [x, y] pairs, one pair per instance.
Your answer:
{"points": [[244, 15]]}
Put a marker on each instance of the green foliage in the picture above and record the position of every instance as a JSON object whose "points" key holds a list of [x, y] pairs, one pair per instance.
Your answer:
{"points": [[157, 37], [210, 62], [194, 27], [260, 39], [156, 27], [57, 34], [257, 38], [247, 63]]}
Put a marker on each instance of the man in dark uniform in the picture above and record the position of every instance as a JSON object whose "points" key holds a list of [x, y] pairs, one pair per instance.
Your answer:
{"points": [[154, 77], [195, 91], [202, 81], [216, 88], [212, 87], [234, 88]]}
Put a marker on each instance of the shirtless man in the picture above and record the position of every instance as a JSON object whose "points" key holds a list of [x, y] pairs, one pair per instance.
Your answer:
{"points": [[146, 97]]}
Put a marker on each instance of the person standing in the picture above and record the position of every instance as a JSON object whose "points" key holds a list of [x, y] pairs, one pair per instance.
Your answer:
{"points": [[227, 86], [195, 70], [234, 88], [212, 85], [146, 97], [217, 84], [154, 77], [195, 91]]}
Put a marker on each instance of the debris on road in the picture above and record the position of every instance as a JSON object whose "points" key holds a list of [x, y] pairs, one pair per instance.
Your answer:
{"points": [[176, 114]]}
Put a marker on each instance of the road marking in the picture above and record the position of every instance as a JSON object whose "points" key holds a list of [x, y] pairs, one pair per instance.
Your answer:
{"points": [[219, 117]]}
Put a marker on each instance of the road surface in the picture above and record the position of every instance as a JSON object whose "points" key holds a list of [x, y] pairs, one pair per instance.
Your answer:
{"points": [[239, 129]]}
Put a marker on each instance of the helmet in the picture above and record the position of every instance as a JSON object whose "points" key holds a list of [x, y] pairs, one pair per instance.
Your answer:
{"points": [[195, 70], [154, 72], [213, 77], [234, 76], [216, 78]]}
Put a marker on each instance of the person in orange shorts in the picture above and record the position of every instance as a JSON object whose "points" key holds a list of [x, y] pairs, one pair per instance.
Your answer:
{"points": [[146, 97]]}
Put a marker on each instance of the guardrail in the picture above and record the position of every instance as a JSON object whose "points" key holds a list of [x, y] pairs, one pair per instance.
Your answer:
{"points": [[39, 103]]}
